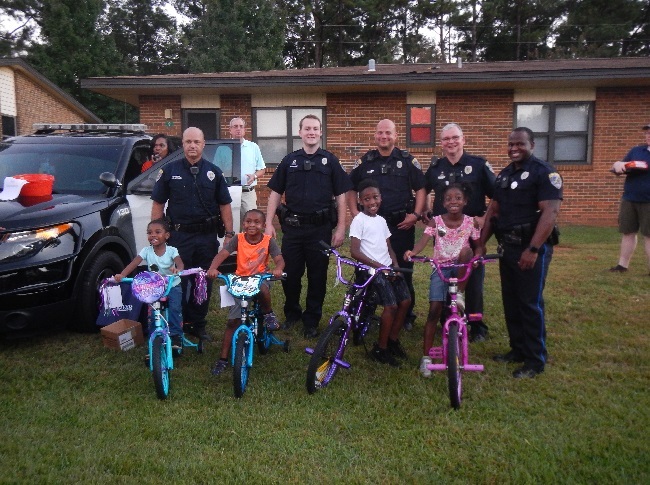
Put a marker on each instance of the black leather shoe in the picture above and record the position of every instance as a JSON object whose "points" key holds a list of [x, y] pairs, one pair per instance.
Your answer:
{"points": [[288, 324], [508, 358], [528, 372], [199, 333], [311, 332]]}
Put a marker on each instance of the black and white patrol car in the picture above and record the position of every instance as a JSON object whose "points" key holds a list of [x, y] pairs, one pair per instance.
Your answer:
{"points": [[55, 250]]}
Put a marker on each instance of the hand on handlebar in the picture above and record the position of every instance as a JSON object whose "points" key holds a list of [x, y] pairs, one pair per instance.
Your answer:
{"points": [[277, 273], [213, 273], [118, 277], [408, 254]]}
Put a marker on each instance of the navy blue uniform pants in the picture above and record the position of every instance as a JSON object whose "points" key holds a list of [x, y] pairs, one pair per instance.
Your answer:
{"points": [[300, 250], [195, 249], [523, 304], [402, 241], [474, 299]]}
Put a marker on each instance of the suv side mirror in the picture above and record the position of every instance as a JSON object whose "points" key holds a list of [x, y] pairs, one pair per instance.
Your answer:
{"points": [[109, 180]]}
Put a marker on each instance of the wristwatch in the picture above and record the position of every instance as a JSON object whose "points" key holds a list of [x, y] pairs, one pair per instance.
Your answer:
{"points": [[230, 233], [533, 249], [417, 215]]}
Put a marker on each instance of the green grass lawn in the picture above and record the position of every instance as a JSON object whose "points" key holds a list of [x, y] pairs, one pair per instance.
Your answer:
{"points": [[74, 411]]}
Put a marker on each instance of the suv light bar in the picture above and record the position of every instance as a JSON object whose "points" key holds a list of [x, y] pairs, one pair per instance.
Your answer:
{"points": [[89, 127]]}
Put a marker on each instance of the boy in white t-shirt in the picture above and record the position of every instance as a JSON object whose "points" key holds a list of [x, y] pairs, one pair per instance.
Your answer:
{"points": [[369, 244]]}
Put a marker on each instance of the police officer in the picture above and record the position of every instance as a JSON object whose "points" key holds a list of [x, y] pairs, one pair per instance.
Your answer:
{"points": [[198, 204], [310, 179], [461, 167], [403, 195], [522, 214]]}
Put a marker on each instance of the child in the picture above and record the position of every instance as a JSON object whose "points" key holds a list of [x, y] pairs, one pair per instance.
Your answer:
{"points": [[452, 232], [369, 244], [253, 250], [168, 262]]}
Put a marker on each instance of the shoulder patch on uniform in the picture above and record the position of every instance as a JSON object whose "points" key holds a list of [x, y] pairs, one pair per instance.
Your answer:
{"points": [[160, 172], [416, 164], [556, 180], [357, 163], [489, 167]]}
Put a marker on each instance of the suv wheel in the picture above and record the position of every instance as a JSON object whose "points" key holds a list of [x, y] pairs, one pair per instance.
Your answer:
{"points": [[104, 265]]}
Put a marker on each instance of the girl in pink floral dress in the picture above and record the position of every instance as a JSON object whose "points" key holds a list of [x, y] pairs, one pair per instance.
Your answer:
{"points": [[453, 234]]}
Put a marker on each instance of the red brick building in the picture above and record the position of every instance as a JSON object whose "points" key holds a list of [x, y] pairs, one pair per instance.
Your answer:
{"points": [[27, 97], [585, 113]]}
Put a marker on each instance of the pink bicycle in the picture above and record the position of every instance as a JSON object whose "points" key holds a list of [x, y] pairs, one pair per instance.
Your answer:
{"points": [[453, 355]]}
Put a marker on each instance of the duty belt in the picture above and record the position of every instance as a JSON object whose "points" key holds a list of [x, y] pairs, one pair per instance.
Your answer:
{"points": [[246, 188], [296, 219], [394, 218], [208, 226]]}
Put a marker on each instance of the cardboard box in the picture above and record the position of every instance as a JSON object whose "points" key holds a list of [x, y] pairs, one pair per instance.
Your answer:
{"points": [[122, 335]]}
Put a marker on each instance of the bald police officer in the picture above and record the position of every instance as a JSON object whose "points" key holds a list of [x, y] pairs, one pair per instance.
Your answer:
{"points": [[459, 166], [198, 203], [402, 186]]}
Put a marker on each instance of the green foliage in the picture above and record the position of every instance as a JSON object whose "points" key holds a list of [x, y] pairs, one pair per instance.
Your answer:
{"points": [[235, 35], [72, 411]]}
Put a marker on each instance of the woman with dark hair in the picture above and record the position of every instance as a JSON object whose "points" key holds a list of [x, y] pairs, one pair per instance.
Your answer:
{"points": [[161, 146]]}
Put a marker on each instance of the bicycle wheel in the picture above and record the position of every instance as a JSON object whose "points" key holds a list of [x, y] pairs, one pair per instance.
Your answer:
{"points": [[454, 374], [240, 369], [330, 346], [160, 370]]}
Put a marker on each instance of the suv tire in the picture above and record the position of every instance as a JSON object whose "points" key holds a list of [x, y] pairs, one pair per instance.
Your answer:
{"points": [[104, 265]]}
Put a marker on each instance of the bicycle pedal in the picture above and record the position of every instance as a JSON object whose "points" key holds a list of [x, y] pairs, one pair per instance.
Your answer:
{"points": [[435, 353]]}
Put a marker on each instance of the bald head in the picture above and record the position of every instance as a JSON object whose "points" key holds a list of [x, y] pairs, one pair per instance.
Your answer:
{"points": [[193, 144], [385, 137]]}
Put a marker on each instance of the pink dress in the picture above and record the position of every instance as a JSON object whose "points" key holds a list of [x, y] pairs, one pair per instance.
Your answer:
{"points": [[447, 248]]}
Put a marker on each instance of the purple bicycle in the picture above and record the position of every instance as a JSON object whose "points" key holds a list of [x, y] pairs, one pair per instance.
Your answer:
{"points": [[453, 355], [356, 317]]}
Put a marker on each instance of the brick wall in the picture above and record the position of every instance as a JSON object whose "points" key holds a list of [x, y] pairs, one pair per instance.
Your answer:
{"points": [[591, 193], [35, 105], [152, 114]]}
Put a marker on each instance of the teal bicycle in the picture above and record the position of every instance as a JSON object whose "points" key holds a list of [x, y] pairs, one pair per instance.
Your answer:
{"points": [[153, 288], [251, 331]]}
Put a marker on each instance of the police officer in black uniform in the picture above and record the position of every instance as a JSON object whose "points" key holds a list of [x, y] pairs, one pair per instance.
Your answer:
{"points": [[522, 214], [461, 167], [311, 179], [403, 196], [198, 205]]}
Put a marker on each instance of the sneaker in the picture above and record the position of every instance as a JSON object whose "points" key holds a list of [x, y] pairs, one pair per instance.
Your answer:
{"points": [[383, 356], [219, 367], [177, 342], [460, 302], [618, 269], [199, 332], [396, 349], [424, 362], [271, 322]]}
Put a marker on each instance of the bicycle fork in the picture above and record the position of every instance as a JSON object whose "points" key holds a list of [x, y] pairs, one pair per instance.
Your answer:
{"points": [[441, 353], [160, 329]]}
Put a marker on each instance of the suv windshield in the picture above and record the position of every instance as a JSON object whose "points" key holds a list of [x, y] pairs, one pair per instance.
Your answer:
{"points": [[76, 168]]}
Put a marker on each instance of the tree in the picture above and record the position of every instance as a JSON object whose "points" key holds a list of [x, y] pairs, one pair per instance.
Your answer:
{"points": [[145, 36], [234, 35], [74, 48], [598, 28]]}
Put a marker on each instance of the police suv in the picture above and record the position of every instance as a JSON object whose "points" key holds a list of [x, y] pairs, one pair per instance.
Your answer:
{"points": [[56, 249]]}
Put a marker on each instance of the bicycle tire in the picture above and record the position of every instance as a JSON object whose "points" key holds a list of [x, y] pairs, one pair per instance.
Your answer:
{"points": [[454, 373], [240, 369], [322, 366], [161, 378]]}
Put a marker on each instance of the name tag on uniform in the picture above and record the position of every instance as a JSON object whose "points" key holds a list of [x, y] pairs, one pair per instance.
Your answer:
{"points": [[177, 177]]}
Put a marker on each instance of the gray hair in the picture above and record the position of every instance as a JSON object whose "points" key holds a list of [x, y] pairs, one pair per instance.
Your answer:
{"points": [[449, 126]]}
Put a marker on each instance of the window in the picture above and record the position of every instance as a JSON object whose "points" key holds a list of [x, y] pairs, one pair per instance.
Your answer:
{"points": [[8, 126], [563, 131], [419, 125], [205, 119], [275, 130]]}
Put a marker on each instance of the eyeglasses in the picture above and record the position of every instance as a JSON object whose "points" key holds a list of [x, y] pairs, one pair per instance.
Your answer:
{"points": [[447, 139]]}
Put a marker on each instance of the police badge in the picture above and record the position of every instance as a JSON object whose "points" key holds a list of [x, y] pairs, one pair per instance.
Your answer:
{"points": [[210, 175]]}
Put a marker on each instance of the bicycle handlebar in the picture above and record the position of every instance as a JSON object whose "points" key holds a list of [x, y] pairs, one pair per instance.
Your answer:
{"points": [[185, 272], [469, 265]]}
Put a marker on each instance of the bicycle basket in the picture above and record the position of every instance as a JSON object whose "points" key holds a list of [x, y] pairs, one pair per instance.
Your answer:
{"points": [[148, 286], [244, 286]]}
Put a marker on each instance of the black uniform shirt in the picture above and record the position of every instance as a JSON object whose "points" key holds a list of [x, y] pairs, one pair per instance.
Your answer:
{"points": [[471, 170], [398, 176], [176, 184], [309, 182], [518, 192]]}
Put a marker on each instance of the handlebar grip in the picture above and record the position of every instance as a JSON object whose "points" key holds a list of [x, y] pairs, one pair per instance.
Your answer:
{"points": [[492, 256], [403, 270], [324, 244]]}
